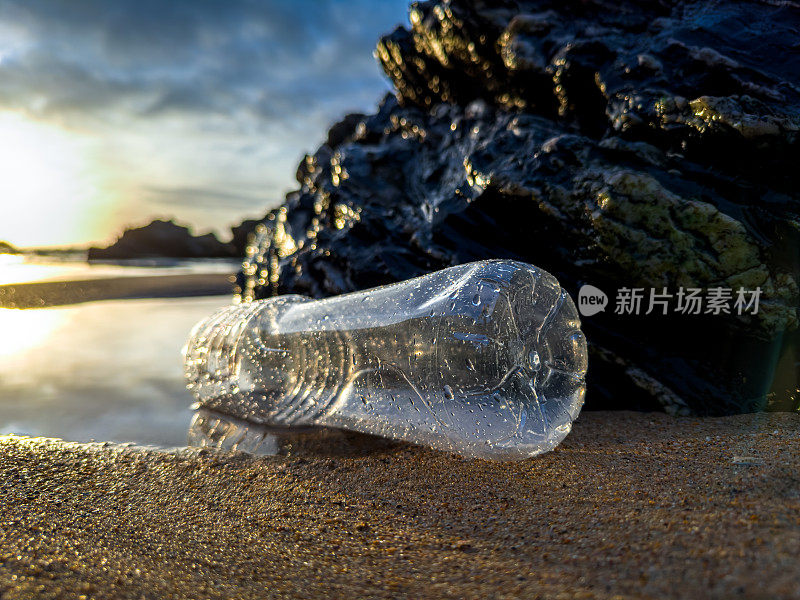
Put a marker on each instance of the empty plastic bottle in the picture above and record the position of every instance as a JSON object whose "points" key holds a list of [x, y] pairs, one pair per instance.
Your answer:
{"points": [[486, 359]]}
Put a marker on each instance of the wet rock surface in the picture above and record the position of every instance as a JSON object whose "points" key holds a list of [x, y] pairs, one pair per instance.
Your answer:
{"points": [[629, 144]]}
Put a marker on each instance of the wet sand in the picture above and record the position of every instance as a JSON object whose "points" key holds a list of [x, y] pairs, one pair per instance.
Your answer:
{"points": [[632, 505], [56, 293]]}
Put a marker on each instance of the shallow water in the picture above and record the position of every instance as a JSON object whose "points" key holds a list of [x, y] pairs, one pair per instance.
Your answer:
{"points": [[108, 370], [22, 268]]}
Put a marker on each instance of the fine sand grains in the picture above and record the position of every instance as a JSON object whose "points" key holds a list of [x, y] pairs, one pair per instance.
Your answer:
{"points": [[631, 505]]}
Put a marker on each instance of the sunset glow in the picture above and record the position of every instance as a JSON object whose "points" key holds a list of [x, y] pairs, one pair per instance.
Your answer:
{"points": [[49, 183], [189, 112]]}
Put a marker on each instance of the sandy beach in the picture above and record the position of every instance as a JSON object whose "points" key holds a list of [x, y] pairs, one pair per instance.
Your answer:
{"points": [[631, 505], [55, 293]]}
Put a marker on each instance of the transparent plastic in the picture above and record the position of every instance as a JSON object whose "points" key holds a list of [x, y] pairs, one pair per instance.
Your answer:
{"points": [[485, 359]]}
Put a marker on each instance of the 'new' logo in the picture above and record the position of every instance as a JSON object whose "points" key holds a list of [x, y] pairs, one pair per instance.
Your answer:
{"points": [[591, 300]]}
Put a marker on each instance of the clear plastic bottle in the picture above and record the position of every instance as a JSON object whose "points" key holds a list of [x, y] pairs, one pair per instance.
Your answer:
{"points": [[485, 359]]}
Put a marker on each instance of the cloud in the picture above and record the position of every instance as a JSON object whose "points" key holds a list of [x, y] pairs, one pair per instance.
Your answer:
{"points": [[202, 197], [153, 58], [44, 86], [195, 95]]}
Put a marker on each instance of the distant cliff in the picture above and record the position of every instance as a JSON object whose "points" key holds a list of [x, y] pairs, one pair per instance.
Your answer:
{"points": [[170, 240], [6, 248]]}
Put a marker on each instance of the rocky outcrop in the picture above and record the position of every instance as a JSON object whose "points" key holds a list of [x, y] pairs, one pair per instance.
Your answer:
{"points": [[242, 235], [6, 248], [164, 239], [627, 144]]}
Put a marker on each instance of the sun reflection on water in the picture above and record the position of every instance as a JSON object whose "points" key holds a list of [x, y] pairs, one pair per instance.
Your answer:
{"points": [[17, 268], [108, 370], [24, 330]]}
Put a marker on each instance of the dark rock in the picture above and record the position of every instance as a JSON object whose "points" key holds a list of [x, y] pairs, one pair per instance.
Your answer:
{"points": [[164, 239], [343, 130], [6, 248], [627, 144], [243, 234]]}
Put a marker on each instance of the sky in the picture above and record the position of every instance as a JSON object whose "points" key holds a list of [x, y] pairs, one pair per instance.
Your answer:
{"points": [[114, 112]]}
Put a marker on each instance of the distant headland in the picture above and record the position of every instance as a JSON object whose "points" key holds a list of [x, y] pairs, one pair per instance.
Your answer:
{"points": [[165, 238]]}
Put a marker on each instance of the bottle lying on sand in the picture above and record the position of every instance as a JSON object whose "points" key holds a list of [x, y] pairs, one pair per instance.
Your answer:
{"points": [[485, 359]]}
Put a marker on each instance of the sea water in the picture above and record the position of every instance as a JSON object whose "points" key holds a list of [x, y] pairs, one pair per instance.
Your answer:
{"points": [[108, 370]]}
